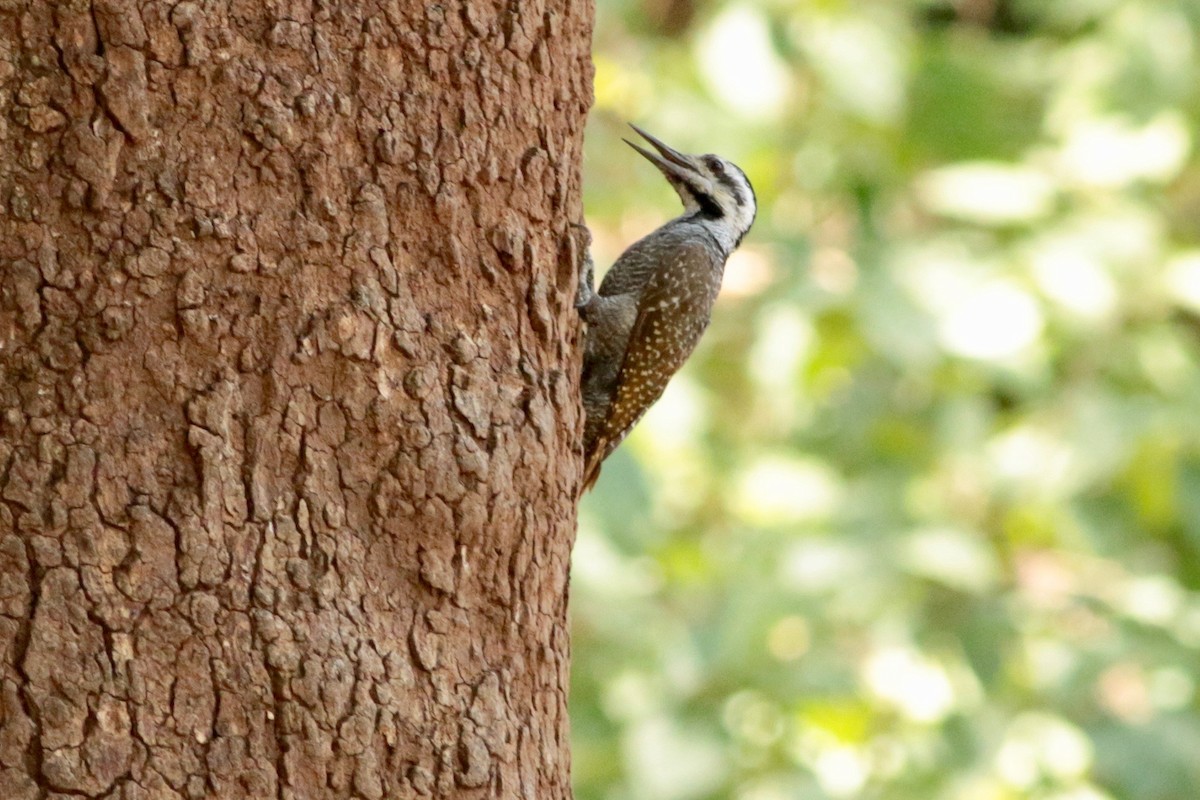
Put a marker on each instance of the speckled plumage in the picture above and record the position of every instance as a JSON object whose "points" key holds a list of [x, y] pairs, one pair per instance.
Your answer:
{"points": [[655, 302]]}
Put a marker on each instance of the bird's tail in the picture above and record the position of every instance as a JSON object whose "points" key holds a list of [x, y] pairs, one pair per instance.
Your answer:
{"points": [[591, 468]]}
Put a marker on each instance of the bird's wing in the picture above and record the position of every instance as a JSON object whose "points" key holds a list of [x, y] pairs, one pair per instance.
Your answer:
{"points": [[672, 314], [640, 261]]}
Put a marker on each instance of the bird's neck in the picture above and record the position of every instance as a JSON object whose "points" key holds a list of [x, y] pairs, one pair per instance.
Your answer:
{"points": [[718, 229]]}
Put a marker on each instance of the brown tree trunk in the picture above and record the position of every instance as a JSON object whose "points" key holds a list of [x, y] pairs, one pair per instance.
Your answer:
{"points": [[288, 408]]}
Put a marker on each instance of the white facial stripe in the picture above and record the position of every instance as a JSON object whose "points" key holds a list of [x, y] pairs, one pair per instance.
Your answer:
{"points": [[736, 201]]}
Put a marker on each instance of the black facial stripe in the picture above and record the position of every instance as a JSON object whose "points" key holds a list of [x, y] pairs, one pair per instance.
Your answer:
{"points": [[708, 206]]}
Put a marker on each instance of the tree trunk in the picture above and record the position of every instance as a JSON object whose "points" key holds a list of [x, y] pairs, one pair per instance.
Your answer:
{"points": [[288, 407]]}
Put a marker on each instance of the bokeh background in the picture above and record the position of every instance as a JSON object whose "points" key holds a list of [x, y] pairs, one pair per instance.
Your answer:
{"points": [[921, 518]]}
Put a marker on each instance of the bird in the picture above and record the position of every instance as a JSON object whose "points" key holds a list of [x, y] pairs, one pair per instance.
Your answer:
{"points": [[656, 299]]}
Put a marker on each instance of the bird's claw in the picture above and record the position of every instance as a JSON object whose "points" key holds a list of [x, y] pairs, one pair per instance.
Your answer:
{"points": [[582, 240]]}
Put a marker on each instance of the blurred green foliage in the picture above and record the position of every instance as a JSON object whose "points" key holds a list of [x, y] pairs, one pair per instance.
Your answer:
{"points": [[921, 518]]}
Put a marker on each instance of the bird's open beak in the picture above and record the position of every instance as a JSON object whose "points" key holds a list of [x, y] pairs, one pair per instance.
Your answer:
{"points": [[671, 162]]}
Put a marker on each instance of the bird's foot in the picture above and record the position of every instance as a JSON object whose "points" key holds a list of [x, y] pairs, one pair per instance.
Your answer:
{"points": [[581, 241]]}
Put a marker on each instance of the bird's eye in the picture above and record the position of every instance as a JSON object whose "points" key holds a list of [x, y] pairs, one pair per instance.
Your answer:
{"points": [[715, 165]]}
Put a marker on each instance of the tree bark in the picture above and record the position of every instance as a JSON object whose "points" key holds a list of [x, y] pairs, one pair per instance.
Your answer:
{"points": [[289, 414]]}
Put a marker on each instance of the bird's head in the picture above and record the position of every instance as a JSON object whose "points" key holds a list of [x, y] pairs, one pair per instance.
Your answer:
{"points": [[711, 187]]}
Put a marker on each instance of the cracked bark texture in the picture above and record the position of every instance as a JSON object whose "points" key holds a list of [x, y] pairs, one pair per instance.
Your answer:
{"points": [[288, 417]]}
